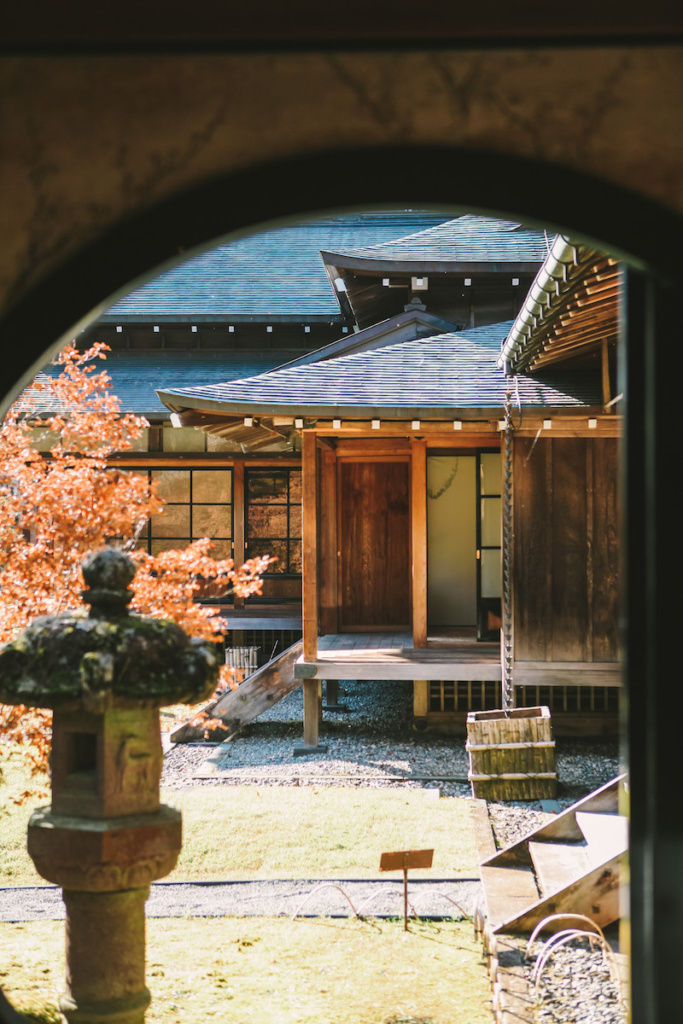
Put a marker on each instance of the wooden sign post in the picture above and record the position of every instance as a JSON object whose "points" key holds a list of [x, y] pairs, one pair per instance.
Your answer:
{"points": [[401, 861]]}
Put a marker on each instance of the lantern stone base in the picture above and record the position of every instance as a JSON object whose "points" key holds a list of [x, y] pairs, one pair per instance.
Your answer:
{"points": [[104, 855], [105, 952]]}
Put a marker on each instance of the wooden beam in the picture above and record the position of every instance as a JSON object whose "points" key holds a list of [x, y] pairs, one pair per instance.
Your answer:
{"points": [[607, 426], [309, 468], [606, 391], [419, 540], [238, 532], [403, 428]]}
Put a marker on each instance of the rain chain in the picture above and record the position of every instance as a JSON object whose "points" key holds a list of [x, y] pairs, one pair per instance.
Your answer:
{"points": [[508, 690]]}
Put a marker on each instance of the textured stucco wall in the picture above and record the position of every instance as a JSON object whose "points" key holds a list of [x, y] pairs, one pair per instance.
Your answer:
{"points": [[86, 140]]}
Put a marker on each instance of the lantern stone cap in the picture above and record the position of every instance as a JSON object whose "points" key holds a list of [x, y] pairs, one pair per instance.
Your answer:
{"points": [[106, 657]]}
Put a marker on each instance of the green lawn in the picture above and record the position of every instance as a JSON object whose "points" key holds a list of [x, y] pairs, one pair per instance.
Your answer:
{"points": [[274, 971], [232, 832], [314, 832]]}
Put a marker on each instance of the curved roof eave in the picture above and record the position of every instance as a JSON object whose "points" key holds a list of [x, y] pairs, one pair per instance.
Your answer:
{"points": [[546, 285], [372, 265], [178, 403]]}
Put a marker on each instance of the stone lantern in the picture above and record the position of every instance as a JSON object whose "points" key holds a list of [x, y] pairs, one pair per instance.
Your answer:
{"points": [[106, 835]]}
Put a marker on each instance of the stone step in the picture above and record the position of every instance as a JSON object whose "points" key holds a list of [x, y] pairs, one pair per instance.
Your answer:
{"points": [[606, 835], [558, 865]]}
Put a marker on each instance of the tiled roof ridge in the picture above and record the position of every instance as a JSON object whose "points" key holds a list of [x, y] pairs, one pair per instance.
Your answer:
{"points": [[471, 222]]}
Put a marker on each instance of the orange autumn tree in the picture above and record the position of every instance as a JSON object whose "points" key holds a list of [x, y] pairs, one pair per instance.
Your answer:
{"points": [[57, 507]]}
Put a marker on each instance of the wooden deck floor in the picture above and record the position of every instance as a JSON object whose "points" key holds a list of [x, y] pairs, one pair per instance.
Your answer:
{"points": [[391, 655]]}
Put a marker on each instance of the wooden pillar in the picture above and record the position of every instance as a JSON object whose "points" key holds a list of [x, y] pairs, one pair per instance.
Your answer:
{"points": [[309, 473], [420, 698], [312, 712], [238, 535], [418, 478], [606, 396]]}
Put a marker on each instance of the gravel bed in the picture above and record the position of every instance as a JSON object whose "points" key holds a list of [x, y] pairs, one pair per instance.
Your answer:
{"points": [[372, 744], [577, 987]]}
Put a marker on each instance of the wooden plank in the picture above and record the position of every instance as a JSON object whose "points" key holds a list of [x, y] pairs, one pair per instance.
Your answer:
{"points": [[372, 668], [590, 674], [569, 586], [606, 667], [259, 691], [508, 891], [309, 484], [609, 426], [558, 865], [530, 584], [606, 557], [606, 835], [483, 830], [209, 460], [595, 894], [419, 540], [328, 543]]}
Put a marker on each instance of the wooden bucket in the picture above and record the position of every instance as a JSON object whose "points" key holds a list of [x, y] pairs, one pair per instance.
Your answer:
{"points": [[511, 754]]}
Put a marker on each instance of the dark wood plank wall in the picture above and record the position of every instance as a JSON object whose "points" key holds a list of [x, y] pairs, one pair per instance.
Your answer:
{"points": [[566, 550], [329, 546], [606, 556], [374, 539]]}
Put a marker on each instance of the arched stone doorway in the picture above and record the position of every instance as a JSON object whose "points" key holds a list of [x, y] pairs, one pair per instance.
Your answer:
{"points": [[648, 238]]}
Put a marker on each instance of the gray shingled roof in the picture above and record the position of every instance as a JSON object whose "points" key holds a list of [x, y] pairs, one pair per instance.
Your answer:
{"points": [[135, 375], [466, 239], [449, 371], [276, 274]]}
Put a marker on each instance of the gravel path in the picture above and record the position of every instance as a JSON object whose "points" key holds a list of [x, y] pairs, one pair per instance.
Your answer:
{"points": [[381, 897]]}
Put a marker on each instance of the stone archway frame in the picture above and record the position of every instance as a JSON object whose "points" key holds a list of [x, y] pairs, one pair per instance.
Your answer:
{"points": [[71, 296], [646, 235]]}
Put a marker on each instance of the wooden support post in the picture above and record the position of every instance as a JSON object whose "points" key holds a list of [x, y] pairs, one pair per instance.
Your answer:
{"points": [[311, 718], [332, 696], [420, 698], [419, 540], [238, 537], [309, 473], [312, 701], [606, 395]]}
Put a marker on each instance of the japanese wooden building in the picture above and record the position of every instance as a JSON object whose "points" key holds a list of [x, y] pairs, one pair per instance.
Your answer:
{"points": [[459, 471]]}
